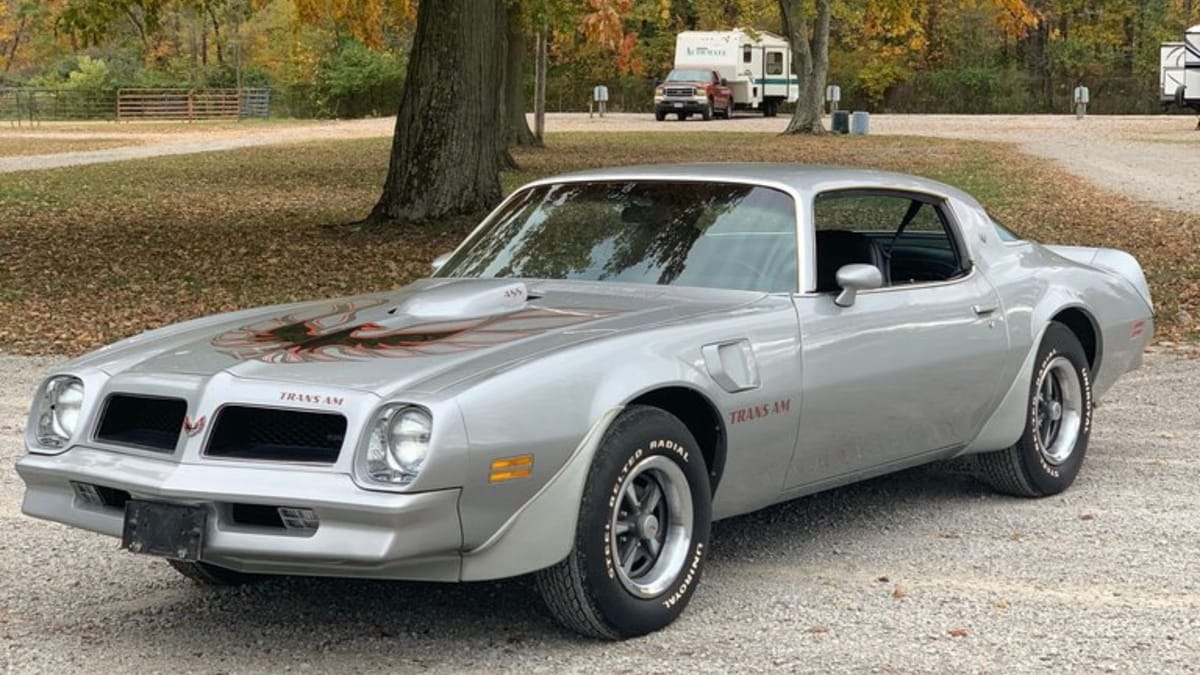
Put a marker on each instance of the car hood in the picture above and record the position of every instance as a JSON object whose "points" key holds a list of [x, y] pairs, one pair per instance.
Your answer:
{"points": [[423, 337]]}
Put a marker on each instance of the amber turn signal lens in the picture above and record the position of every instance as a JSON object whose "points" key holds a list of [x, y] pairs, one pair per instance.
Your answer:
{"points": [[509, 468]]}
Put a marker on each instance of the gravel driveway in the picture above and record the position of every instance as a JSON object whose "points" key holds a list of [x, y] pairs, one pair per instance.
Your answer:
{"points": [[1152, 158], [922, 571]]}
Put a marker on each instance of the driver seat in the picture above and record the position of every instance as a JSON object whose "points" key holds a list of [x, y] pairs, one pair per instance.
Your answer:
{"points": [[836, 248]]}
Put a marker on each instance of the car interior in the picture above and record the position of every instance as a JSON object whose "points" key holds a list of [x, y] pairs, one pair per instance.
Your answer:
{"points": [[907, 237]]}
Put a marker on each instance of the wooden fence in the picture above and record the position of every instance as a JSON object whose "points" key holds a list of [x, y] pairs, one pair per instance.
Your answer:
{"points": [[192, 104]]}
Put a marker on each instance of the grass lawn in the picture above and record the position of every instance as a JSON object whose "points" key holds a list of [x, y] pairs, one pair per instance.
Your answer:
{"points": [[95, 253]]}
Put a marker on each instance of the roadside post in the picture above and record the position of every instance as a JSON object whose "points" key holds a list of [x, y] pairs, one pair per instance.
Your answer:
{"points": [[833, 96], [599, 100], [1083, 96]]}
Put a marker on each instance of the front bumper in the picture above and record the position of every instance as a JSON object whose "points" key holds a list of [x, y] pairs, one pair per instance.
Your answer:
{"points": [[361, 533], [677, 105]]}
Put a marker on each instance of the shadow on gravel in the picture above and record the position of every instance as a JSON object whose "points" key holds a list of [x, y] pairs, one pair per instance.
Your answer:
{"points": [[290, 615]]}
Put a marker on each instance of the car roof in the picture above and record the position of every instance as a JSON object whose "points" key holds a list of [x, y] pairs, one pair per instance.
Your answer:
{"points": [[802, 178]]}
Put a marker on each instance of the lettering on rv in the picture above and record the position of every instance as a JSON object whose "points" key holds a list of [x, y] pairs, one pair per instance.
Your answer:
{"points": [[705, 51]]}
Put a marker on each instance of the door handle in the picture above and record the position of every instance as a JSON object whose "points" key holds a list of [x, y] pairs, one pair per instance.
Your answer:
{"points": [[984, 310]]}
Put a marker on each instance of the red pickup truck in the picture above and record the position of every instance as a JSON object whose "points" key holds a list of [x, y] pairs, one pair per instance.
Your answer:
{"points": [[692, 91]]}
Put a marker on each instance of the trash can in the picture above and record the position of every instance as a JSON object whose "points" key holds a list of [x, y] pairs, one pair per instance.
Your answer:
{"points": [[860, 123], [841, 121]]}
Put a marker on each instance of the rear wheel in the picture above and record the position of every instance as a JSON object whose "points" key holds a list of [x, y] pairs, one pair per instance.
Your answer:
{"points": [[207, 574], [642, 533], [1058, 424]]}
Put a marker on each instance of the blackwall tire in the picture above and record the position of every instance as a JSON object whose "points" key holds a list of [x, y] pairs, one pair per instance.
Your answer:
{"points": [[660, 116], [206, 574], [1058, 423], [707, 113], [642, 534]]}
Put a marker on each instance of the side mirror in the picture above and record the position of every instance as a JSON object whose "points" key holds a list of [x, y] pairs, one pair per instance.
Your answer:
{"points": [[854, 278], [724, 82], [440, 260]]}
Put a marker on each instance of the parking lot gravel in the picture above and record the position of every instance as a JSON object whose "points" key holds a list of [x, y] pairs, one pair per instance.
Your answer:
{"points": [[1152, 158], [923, 571]]}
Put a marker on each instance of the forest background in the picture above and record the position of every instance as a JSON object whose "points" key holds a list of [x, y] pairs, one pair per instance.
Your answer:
{"points": [[346, 58]]}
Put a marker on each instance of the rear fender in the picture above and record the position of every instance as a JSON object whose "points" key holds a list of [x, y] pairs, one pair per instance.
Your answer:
{"points": [[1111, 260]]}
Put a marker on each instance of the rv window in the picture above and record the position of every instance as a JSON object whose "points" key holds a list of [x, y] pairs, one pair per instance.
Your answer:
{"points": [[774, 63], [747, 54]]}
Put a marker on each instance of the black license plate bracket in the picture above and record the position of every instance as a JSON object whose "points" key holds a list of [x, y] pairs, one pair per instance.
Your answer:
{"points": [[166, 530]]}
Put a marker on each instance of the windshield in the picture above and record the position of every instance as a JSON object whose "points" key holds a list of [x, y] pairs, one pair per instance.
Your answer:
{"points": [[713, 235], [689, 76]]}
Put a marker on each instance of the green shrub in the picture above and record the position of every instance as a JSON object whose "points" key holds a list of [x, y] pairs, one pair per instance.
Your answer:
{"points": [[358, 82]]}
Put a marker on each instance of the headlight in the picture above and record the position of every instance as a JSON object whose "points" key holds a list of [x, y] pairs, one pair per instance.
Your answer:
{"points": [[398, 444], [59, 411], [658, 91], [699, 92]]}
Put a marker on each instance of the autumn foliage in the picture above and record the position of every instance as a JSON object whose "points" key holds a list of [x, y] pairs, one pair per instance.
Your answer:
{"points": [[875, 45]]}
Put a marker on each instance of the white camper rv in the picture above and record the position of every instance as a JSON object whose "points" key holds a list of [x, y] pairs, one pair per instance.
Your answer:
{"points": [[757, 65], [1179, 74]]}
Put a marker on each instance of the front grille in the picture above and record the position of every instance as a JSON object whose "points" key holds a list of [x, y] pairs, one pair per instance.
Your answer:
{"points": [[147, 422], [273, 435], [679, 91]]}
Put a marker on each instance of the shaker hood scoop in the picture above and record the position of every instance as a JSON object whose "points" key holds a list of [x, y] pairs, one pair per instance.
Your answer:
{"points": [[485, 297]]}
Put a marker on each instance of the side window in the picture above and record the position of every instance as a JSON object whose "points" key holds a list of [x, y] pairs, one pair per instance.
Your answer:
{"points": [[1003, 232], [908, 237], [747, 54], [774, 63]]}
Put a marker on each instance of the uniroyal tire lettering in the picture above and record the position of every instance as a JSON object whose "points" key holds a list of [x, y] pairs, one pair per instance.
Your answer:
{"points": [[687, 579]]}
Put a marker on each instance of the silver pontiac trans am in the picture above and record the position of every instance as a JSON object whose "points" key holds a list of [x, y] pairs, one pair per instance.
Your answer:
{"points": [[608, 363]]}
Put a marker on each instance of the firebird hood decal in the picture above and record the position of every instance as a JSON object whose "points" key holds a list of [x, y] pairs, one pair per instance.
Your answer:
{"points": [[424, 337], [340, 332]]}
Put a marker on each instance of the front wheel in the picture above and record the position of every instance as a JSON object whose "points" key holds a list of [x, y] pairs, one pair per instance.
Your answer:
{"points": [[707, 113], [1058, 423], [642, 533], [660, 115]]}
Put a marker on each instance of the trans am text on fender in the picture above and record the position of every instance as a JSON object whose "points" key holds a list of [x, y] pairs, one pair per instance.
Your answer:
{"points": [[611, 361]]}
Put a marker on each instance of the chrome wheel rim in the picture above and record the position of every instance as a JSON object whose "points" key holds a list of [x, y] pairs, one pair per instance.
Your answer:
{"points": [[651, 526], [1058, 410]]}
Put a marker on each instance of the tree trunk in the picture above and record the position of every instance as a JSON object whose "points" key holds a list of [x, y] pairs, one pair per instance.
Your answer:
{"points": [[518, 129], [18, 34], [449, 136], [539, 88], [810, 61], [212, 15]]}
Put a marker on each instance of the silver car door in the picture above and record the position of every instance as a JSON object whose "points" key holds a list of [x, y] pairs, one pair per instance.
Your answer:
{"points": [[906, 373]]}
